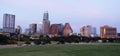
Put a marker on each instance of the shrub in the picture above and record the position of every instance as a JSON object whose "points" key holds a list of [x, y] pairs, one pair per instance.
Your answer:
{"points": [[27, 42], [37, 42], [12, 42]]}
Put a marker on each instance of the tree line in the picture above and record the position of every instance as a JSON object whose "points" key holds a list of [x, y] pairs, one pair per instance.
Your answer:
{"points": [[57, 39]]}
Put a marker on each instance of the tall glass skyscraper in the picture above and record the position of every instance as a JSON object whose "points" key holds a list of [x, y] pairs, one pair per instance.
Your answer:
{"points": [[46, 15], [46, 24], [8, 23]]}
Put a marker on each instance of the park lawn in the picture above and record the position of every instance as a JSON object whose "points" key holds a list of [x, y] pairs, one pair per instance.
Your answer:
{"points": [[63, 50]]}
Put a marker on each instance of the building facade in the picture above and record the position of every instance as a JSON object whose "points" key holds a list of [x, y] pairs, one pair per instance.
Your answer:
{"points": [[67, 30], [33, 28], [88, 31], [39, 28], [56, 29], [27, 31], [46, 24], [18, 30], [8, 23], [108, 32]]}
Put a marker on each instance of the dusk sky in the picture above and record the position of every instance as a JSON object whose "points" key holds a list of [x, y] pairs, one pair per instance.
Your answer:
{"points": [[77, 12]]}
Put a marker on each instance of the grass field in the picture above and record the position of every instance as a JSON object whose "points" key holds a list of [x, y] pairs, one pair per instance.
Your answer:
{"points": [[63, 50]]}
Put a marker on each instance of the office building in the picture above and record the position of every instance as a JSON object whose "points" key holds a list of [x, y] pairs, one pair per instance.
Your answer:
{"points": [[67, 30], [39, 28], [33, 28], [88, 31], [108, 32], [1, 30], [18, 30], [56, 29], [8, 23], [46, 24], [27, 31]]}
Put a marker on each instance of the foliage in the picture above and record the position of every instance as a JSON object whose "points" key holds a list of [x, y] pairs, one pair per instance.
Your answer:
{"points": [[45, 40], [27, 41], [12, 41], [4, 39], [37, 41]]}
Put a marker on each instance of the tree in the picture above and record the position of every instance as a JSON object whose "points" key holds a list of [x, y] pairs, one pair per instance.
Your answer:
{"points": [[27, 40], [37, 41], [3, 39], [61, 40], [68, 39], [45, 40], [12, 41]]}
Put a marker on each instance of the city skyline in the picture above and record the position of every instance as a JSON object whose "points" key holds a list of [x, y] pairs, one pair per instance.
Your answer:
{"points": [[77, 13]]}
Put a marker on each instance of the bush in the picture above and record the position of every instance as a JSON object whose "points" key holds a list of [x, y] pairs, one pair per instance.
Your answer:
{"points": [[69, 40], [61, 40], [37, 42], [76, 40], [27, 42], [3, 39], [45, 40], [12, 42]]}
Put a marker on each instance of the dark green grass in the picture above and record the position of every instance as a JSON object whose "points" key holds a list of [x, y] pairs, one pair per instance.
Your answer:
{"points": [[63, 50]]}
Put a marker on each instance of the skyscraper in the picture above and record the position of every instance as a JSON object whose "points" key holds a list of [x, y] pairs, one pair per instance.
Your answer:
{"points": [[18, 30], [39, 28], [33, 28], [67, 30], [108, 32], [88, 31], [8, 23], [46, 24], [46, 15]]}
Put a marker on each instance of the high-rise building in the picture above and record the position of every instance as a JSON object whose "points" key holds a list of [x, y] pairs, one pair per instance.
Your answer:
{"points": [[94, 30], [67, 30], [33, 28], [8, 23], [1, 30], [46, 15], [118, 35], [18, 30], [27, 31], [56, 29], [46, 24], [39, 28], [108, 32], [88, 31]]}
